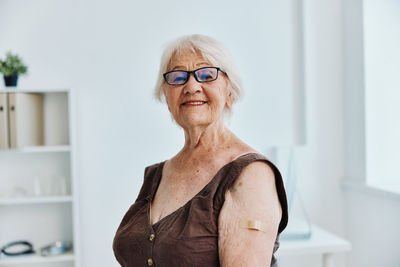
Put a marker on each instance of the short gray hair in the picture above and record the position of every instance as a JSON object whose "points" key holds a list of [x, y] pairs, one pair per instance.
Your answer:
{"points": [[211, 50]]}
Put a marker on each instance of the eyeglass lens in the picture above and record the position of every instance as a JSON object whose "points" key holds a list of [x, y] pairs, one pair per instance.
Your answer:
{"points": [[205, 75], [201, 75]]}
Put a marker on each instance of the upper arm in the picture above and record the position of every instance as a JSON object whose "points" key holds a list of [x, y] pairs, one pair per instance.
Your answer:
{"points": [[252, 197]]}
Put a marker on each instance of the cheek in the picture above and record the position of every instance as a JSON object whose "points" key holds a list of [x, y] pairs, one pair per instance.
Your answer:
{"points": [[167, 101], [171, 100]]}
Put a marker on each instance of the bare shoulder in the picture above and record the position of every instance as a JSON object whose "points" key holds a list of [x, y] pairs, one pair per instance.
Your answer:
{"points": [[254, 193], [253, 197], [256, 176]]}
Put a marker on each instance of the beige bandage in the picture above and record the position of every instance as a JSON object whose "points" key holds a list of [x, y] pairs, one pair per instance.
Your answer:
{"points": [[253, 224]]}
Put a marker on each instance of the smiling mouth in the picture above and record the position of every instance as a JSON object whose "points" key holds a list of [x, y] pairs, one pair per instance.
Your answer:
{"points": [[194, 103]]}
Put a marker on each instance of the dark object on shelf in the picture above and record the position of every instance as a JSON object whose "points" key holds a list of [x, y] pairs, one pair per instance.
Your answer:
{"points": [[11, 80], [55, 248], [27, 250]]}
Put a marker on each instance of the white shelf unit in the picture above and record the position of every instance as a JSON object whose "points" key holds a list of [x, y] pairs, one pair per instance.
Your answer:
{"points": [[38, 192]]}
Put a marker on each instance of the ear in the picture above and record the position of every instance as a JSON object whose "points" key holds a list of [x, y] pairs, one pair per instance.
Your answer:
{"points": [[229, 99]]}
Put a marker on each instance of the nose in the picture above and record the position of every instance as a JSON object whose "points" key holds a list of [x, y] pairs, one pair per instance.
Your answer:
{"points": [[192, 86]]}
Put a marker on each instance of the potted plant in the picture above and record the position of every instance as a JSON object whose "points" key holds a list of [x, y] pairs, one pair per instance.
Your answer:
{"points": [[11, 67]]}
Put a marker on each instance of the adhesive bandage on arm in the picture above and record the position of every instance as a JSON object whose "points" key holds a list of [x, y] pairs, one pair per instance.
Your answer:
{"points": [[253, 224]]}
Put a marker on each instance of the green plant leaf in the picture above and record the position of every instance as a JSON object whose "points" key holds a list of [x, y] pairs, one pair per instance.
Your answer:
{"points": [[12, 65]]}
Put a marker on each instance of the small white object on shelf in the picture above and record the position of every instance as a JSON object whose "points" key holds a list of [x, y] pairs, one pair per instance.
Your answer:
{"points": [[37, 188]]}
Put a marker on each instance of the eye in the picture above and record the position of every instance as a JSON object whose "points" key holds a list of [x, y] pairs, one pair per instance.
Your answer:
{"points": [[176, 77], [207, 74]]}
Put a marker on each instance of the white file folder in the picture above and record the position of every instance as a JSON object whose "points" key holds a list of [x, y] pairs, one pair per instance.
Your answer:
{"points": [[4, 142], [25, 119]]}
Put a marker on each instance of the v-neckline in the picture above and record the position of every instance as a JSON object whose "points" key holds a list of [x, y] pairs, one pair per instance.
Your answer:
{"points": [[160, 168]]}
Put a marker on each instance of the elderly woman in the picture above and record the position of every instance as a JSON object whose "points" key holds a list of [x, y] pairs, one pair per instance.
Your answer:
{"points": [[218, 202]]}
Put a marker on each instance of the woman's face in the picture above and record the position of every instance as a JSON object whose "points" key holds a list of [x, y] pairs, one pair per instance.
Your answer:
{"points": [[216, 93]]}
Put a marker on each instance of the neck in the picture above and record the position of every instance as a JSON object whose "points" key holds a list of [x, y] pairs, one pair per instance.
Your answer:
{"points": [[205, 139]]}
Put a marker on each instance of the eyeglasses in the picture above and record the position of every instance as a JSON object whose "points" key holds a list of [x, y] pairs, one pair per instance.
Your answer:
{"points": [[202, 75]]}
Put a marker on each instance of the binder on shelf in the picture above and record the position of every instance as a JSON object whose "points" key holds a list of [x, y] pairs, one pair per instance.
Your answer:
{"points": [[4, 142], [25, 112]]}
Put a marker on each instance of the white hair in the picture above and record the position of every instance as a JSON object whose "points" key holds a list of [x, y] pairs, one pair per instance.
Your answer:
{"points": [[212, 51]]}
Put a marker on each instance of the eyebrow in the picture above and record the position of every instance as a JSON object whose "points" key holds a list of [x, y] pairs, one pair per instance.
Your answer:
{"points": [[198, 64]]}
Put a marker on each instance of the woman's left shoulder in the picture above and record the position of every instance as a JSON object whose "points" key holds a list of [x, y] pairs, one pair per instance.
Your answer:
{"points": [[254, 195], [257, 175], [259, 167]]}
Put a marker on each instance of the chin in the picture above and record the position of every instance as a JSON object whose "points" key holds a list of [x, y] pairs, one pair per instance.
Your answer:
{"points": [[193, 121]]}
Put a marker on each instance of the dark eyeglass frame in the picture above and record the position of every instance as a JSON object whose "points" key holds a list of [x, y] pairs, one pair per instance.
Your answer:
{"points": [[194, 74]]}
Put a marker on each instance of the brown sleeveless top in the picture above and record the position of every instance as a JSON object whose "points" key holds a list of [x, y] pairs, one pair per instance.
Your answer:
{"points": [[189, 235]]}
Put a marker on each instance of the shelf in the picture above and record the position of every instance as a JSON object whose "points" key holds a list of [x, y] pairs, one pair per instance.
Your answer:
{"points": [[33, 90], [35, 200], [38, 149], [36, 258]]}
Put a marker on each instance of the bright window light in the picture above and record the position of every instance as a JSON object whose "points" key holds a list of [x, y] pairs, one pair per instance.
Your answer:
{"points": [[382, 93]]}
